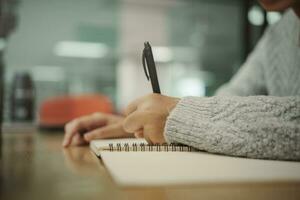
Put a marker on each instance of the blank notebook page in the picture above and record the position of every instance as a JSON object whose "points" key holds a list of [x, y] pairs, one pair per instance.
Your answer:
{"points": [[178, 168]]}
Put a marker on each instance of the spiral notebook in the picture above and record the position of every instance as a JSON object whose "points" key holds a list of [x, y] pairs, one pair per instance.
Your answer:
{"points": [[134, 145], [132, 162]]}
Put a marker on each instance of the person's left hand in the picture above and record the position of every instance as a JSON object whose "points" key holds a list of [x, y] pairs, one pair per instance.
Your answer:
{"points": [[146, 117]]}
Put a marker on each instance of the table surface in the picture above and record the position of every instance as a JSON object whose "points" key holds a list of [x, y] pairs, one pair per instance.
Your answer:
{"points": [[35, 166]]}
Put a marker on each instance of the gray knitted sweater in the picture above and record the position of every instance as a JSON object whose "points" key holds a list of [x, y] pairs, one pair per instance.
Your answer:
{"points": [[257, 114]]}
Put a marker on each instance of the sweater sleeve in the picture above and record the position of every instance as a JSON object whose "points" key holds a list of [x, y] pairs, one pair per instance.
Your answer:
{"points": [[256, 126], [249, 80]]}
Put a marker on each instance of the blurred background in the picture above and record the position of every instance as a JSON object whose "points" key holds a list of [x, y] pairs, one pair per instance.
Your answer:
{"points": [[92, 50]]}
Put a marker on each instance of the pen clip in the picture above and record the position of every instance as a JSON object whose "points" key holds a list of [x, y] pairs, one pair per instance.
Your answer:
{"points": [[144, 65]]}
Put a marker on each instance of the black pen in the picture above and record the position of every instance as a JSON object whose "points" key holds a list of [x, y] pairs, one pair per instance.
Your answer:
{"points": [[149, 67]]}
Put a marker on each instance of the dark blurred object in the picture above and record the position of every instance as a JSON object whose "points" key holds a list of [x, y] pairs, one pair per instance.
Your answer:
{"points": [[8, 17], [8, 22], [1, 90], [56, 112], [251, 33], [22, 98]]}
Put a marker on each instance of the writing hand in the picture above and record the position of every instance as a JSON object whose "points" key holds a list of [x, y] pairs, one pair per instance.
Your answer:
{"points": [[146, 117]]}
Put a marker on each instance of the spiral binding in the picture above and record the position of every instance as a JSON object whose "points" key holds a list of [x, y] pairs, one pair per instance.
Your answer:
{"points": [[147, 147]]}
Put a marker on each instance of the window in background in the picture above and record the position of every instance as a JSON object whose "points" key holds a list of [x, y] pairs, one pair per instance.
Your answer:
{"points": [[68, 46], [210, 35], [94, 46], [256, 20]]}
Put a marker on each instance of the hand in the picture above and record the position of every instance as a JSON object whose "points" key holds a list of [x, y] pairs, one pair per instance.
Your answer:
{"points": [[82, 130], [146, 117]]}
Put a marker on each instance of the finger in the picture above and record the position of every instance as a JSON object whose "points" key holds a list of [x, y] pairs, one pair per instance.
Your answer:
{"points": [[148, 139], [86, 122], [134, 122], [153, 133], [83, 123], [111, 131], [139, 134], [78, 140], [133, 105]]}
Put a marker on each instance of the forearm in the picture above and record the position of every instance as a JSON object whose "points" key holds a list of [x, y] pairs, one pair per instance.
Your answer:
{"points": [[256, 126]]}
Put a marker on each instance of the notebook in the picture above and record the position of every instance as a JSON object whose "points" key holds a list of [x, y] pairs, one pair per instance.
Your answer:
{"points": [[145, 167], [135, 145]]}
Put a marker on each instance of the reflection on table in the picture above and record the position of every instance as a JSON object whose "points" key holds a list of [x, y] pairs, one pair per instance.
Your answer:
{"points": [[35, 166]]}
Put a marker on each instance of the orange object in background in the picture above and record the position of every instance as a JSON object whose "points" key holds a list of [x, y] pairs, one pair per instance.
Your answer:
{"points": [[56, 112]]}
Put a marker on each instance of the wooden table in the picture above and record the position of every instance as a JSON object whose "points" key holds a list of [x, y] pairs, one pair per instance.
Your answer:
{"points": [[35, 166]]}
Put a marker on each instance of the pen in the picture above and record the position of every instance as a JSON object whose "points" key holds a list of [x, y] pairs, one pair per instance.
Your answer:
{"points": [[149, 67]]}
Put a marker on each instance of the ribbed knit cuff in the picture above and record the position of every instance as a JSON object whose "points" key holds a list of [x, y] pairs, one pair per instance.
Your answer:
{"points": [[191, 115]]}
